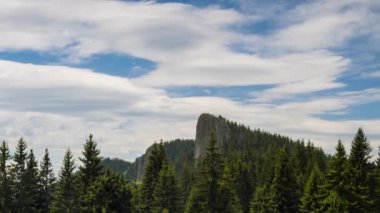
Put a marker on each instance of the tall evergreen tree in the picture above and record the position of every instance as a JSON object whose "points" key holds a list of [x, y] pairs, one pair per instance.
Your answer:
{"points": [[47, 180], [91, 167], [207, 193], [359, 169], [150, 179], [374, 183], [18, 173], [31, 185], [311, 200], [261, 201], [228, 200], [5, 179], [65, 198], [204, 195], [335, 187], [109, 193], [284, 191], [241, 177], [166, 194], [186, 182]]}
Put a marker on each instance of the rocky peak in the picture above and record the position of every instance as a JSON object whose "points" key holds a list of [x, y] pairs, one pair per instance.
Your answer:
{"points": [[208, 123]]}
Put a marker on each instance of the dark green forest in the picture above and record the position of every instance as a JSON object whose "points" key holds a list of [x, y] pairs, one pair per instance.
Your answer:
{"points": [[255, 172]]}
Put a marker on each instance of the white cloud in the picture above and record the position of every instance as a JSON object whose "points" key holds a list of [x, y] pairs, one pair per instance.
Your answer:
{"points": [[375, 74], [57, 106]]}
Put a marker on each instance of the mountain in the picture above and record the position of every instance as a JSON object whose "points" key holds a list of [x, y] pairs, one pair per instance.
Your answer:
{"points": [[232, 139], [177, 151]]}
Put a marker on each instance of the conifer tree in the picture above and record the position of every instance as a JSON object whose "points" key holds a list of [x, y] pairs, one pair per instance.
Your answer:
{"points": [[228, 200], [109, 193], [156, 158], [203, 196], [5, 179], [31, 185], [47, 180], [311, 200], [65, 198], [18, 173], [91, 167], [359, 169], [166, 194], [242, 182], [374, 183], [335, 187], [206, 194], [284, 191], [261, 201], [186, 183], [89, 171]]}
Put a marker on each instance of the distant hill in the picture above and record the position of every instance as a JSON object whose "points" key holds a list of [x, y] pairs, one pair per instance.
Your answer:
{"points": [[177, 151], [232, 139]]}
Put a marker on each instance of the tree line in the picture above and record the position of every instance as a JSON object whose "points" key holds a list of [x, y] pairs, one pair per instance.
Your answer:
{"points": [[288, 177]]}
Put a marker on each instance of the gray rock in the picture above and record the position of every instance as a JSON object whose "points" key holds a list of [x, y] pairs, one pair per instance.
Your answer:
{"points": [[207, 124]]}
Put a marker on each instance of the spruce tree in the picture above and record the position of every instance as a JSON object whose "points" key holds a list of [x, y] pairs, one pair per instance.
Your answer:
{"points": [[91, 167], [186, 182], [284, 192], [335, 187], [31, 185], [18, 173], [359, 169], [166, 194], [65, 198], [374, 183], [109, 193], [228, 200], [156, 159], [204, 195], [5, 179], [207, 194], [47, 180], [311, 200], [261, 201], [243, 182]]}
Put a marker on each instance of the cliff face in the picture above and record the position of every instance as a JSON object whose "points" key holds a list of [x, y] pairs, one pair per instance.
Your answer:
{"points": [[228, 135], [207, 124]]}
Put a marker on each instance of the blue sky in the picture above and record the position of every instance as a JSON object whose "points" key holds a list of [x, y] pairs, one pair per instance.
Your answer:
{"points": [[135, 72]]}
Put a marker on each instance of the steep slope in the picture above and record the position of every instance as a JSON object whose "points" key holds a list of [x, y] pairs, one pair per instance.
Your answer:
{"points": [[232, 139], [177, 151]]}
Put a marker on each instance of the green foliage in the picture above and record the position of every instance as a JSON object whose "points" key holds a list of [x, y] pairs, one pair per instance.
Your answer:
{"points": [[150, 179], [261, 201], [313, 194], [5, 179], [47, 180], [254, 172], [212, 191], [186, 181], [242, 181], [65, 197], [375, 183], [91, 167], [109, 193], [335, 187], [283, 193], [20, 196], [359, 169], [166, 194], [31, 185]]}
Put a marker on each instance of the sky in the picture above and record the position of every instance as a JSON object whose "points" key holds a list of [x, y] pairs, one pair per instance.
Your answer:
{"points": [[135, 72]]}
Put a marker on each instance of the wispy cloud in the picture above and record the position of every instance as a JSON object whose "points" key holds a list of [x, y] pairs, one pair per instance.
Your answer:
{"points": [[57, 106]]}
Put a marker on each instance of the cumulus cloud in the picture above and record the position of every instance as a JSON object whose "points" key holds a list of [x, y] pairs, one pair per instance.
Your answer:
{"points": [[57, 106]]}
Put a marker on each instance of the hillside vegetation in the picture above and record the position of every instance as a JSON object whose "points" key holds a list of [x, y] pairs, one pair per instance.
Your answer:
{"points": [[227, 168]]}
